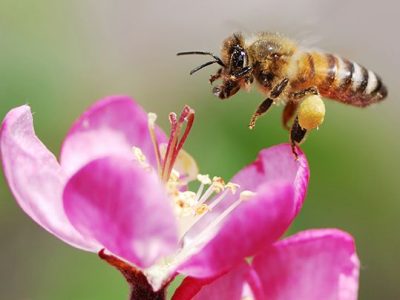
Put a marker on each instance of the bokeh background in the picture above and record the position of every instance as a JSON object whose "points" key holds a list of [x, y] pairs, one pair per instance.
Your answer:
{"points": [[61, 56]]}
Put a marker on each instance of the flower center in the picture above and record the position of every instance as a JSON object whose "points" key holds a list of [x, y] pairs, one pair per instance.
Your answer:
{"points": [[199, 213], [191, 207], [176, 168]]}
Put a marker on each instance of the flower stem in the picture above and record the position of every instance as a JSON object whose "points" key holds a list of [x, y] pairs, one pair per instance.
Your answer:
{"points": [[140, 287]]}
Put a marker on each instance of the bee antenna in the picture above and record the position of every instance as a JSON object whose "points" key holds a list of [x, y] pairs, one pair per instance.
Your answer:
{"points": [[217, 59], [202, 66]]}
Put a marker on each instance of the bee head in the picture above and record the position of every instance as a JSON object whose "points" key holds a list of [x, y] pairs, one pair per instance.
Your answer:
{"points": [[237, 73], [234, 72], [233, 53]]}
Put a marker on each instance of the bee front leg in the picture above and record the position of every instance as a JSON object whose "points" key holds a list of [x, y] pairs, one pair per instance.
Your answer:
{"points": [[297, 135], [266, 104], [215, 76], [261, 109]]}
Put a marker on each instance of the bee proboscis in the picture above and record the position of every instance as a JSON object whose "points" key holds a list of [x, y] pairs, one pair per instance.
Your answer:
{"points": [[286, 72]]}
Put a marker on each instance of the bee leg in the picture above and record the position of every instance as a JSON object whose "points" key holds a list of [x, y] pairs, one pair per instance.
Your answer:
{"points": [[215, 76], [279, 88], [297, 135], [288, 113], [300, 94], [266, 104], [261, 109]]}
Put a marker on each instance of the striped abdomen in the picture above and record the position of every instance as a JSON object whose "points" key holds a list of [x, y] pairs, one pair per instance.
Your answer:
{"points": [[337, 78]]}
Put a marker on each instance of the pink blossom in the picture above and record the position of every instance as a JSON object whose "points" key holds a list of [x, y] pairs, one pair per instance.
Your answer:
{"points": [[312, 265], [121, 185]]}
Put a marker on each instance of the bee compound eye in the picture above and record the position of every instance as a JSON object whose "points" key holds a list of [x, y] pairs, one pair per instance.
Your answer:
{"points": [[238, 58]]}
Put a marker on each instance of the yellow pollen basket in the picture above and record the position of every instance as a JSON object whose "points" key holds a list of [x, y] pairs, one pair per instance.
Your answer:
{"points": [[311, 112]]}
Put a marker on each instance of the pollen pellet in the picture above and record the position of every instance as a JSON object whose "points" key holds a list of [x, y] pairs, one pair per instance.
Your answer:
{"points": [[311, 112]]}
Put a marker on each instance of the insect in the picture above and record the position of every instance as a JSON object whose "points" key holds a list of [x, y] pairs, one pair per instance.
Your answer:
{"points": [[296, 76]]}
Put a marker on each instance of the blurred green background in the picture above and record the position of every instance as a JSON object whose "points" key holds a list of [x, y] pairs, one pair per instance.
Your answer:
{"points": [[61, 56]]}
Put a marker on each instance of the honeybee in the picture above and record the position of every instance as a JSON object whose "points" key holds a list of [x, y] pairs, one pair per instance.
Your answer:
{"points": [[287, 73]]}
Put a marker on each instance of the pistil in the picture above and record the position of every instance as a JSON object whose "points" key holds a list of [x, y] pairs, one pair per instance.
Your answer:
{"points": [[176, 142]]}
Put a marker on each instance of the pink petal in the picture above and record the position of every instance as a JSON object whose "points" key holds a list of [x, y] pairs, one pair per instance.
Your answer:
{"points": [[280, 183], [35, 177], [253, 225], [111, 126], [124, 207], [312, 265], [277, 163], [228, 286]]}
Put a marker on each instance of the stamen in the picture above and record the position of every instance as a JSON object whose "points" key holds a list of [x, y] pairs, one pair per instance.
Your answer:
{"points": [[204, 180], [152, 117], [201, 209], [139, 154], [219, 199], [246, 195], [184, 203], [206, 194], [203, 234], [174, 175], [232, 186], [218, 184], [141, 158], [171, 145], [173, 184]]}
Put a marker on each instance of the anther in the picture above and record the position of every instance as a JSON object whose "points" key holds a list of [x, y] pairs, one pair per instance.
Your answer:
{"points": [[141, 158], [174, 176], [204, 179], [201, 209], [138, 154], [152, 117], [246, 195], [232, 187], [218, 184]]}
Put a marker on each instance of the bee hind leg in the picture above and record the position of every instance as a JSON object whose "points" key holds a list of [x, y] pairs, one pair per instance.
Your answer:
{"points": [[288, 113], [301, 94], [297, 135], [261, 109]]}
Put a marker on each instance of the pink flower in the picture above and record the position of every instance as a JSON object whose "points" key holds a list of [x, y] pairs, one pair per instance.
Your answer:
{"points": [[312, 265], [121, 185]]}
